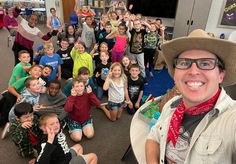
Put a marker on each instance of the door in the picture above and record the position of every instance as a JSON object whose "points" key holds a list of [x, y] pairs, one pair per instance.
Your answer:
{"points": [[182, 17], [200, 15], [190, 15], [68, 8]]}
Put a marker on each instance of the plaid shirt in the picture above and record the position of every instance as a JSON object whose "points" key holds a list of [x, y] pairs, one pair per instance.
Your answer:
{"points": [[20, 137]]}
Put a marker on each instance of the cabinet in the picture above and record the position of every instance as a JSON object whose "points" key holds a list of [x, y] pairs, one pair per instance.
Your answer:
{"points": [[190, 15]]}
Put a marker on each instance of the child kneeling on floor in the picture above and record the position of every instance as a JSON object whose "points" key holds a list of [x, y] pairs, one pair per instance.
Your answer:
{"points": [[78, 105], [53, 148]]}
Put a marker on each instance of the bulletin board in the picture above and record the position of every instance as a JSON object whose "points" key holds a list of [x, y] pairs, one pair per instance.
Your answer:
{"points": [[228, 14]]}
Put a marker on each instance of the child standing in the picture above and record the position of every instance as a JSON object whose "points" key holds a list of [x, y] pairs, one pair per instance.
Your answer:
{"points": [[137, 43], [135, 89], [101, 73], [81, 58], [116, 84], [52, 59], [150, 44], [88, 35], [53, 148], [102, 36], [78, 105], [25, 129], [21, 69], [64, 53], [119, 48]]}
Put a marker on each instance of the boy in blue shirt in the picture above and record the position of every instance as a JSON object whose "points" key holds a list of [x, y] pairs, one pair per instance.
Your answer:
{"points": [[52, 59]]}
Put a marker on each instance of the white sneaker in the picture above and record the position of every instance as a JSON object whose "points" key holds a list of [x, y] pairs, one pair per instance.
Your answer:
{"points": [[5, 130]]}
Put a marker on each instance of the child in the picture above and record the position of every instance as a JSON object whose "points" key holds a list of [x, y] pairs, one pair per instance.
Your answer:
{"points": [[101, 73], [64, 53], [53, 148], [102, 36], [20, 70], [25, 129], [116, 84], [27, 33], [137, 43], [135, 89], [88, 35], [119, 48], [78, 105], [150, 44], [102, 48], [83, 74], [13, 95], [46, 72], [81, 58], [52, 59], [30, 95], [126, 62], [71, 35], [53, 101], [38, 54]]}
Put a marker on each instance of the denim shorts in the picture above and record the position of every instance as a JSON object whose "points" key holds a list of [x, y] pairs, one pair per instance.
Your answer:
{"points": [[76, 126], [115, 106]]}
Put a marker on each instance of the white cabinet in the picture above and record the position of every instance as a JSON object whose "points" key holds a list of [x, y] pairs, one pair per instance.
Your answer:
{"points": [[190, 15]]}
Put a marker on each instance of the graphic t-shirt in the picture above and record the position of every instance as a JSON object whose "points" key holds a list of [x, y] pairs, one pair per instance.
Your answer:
{"points": [[151, 40], [134, 88], [177, 154], [137, 41]]}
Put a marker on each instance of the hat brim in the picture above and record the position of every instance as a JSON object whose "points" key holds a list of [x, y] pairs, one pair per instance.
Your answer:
{"points": [[224, 49]]}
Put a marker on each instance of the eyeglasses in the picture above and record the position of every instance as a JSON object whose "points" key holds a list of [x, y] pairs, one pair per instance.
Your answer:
{"points": [[202, 63]]}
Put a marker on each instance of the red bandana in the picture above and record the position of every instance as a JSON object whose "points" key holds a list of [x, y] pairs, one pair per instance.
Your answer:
{"points": [[177, 117]]}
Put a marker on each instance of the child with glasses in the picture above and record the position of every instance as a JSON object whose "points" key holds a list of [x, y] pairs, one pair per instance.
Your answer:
{"points": [[24, 130]]}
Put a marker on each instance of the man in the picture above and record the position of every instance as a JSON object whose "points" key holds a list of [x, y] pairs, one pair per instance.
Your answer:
{"points": [[200, 125]]}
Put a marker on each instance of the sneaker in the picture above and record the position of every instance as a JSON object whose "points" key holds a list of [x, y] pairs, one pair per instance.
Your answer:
{"points": [[5, 130]]}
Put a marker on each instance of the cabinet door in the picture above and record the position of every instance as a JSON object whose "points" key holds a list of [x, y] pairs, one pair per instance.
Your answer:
{"points": [[183, 18], [200, 14]]}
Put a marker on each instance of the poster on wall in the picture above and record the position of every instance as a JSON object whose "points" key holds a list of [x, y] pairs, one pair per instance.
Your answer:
{"points": [[228, 14]]}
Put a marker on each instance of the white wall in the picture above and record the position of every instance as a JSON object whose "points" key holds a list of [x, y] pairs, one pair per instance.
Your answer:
{"points": [[214, 16]]}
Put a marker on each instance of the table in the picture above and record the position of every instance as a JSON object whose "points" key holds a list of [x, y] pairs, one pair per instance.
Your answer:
{"points": [[138, 135]]}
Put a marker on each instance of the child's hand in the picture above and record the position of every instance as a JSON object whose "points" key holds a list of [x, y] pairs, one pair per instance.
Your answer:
{"points": [[88, 89], [18, 98], [73, 92], [97, 74], [130, 105], [26, 68], [95, 47], [137, 105], [26, 125], [109, 75], [51, 134]]}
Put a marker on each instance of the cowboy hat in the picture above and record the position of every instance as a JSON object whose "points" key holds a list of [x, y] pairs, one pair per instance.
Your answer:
{"points": [[200, 40]]}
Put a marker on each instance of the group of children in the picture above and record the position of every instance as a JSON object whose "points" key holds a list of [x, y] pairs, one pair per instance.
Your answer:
{"points": [[93, 64]]}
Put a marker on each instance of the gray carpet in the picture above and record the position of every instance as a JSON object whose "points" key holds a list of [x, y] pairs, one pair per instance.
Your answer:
{"points": [[111, 138]]}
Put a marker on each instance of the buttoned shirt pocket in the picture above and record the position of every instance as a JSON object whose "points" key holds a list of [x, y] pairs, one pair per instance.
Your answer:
{"points": [[210, 149]]}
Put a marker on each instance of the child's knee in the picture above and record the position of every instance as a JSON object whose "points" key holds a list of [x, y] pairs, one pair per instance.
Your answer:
{"points": [[89, 134], [76, 136]]}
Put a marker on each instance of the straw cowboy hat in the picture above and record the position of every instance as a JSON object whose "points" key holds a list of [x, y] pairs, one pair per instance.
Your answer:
{"points": [[199, 39]]}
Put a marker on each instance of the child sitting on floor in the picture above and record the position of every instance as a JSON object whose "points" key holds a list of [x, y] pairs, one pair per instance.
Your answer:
{"points": [[25, 129], [78, 105], [21, 69], [53, 148], [53, 101]]}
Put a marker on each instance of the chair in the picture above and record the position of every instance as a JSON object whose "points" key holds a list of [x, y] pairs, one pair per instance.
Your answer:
{"points": [[232, 36]]}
